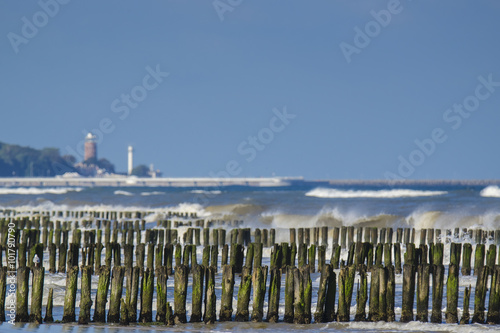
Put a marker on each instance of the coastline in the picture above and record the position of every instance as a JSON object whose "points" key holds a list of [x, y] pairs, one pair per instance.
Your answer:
{"points": [[125, 181]]}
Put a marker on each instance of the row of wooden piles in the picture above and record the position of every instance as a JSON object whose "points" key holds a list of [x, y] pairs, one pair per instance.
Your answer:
{"points": [[139, 281]]}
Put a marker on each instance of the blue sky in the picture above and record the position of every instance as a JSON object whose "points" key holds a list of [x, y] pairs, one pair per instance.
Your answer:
{"points": [[256, 88]]}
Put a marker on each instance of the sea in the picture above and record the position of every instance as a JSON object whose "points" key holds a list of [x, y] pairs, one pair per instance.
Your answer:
{"points": [[306, 204]]}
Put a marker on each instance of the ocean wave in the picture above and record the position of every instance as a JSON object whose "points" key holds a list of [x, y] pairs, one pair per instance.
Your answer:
{"points": [[152, 193], [38, 191], [491, 191], [121, 192], [206, 192], [322, 192]]}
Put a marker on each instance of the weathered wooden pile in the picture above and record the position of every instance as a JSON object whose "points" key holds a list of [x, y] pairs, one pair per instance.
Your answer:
{"points": [[133, 265]]}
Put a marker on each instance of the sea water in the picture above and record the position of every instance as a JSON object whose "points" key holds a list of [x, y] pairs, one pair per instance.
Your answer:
{"points": [[304, 205]]}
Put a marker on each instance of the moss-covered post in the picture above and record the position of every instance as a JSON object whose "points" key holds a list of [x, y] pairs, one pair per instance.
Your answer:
{"points": [[259, 290], [102, 294], [257, 257], [312, 257], [374, 308], [423, 272], [161, 293], [61, 268], [480, 294], [437, 293], [494, 299], [226, 310], [391, 293], [274, 295], [362, 295], [50, 305], [37, 295], [69, 315], [346, 287], [491, 256], [319, 315], [214, 255], [299, 302], [478, 259], [180, 293], [197, 293], [117, 275], [335, 260], [242, 313], [209, 316], [306, 280], [397, 258], [466, 259], [85, 300], [408, 293], [289, 294], [466, 312], [452, 294], [146, 314]]}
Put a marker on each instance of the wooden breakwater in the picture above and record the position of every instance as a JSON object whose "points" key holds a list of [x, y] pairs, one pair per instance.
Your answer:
{"points": [[133, 265]]}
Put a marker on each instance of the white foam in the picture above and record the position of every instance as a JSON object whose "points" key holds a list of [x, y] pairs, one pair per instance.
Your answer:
{"points": [[322, 192], [38, 191], [152, 193], [491, 191], [206, 192], [121, 192]]}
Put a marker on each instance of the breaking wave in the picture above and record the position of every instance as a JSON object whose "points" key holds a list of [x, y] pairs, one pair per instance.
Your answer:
{"points": [[39, 191], [151, 193], [121, 192], [206, 192], [321, 192], [492, 191]]}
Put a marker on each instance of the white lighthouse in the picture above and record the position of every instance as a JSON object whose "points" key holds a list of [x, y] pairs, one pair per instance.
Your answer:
{"points": [[130, 159]]}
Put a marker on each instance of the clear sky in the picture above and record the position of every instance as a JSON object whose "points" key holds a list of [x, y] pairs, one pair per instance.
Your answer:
{"points": [[320, 89]]}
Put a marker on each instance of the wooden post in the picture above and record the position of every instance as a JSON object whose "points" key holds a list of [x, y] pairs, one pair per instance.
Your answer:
{"points": [[374, 308], [437, 293], [226, 310], [117, 275], [466, 259], [391, 293], [274, 295], [48, 310], [161, 293], [362, 295], [382, 298], [257, 259], [37, 295], [102, 295], [215, 255], [259, 290], [180, 293], [197, 293], [423, 292], [466, 314], [452, 293], [242, 312], [494, 302], [408, 293], [397, 258], [210, 300], [346, 286], [70, 296], [312, 257], [480, 295], [289, 294], [478, 259], [85, 300], [146, 315], [335, 260]]}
